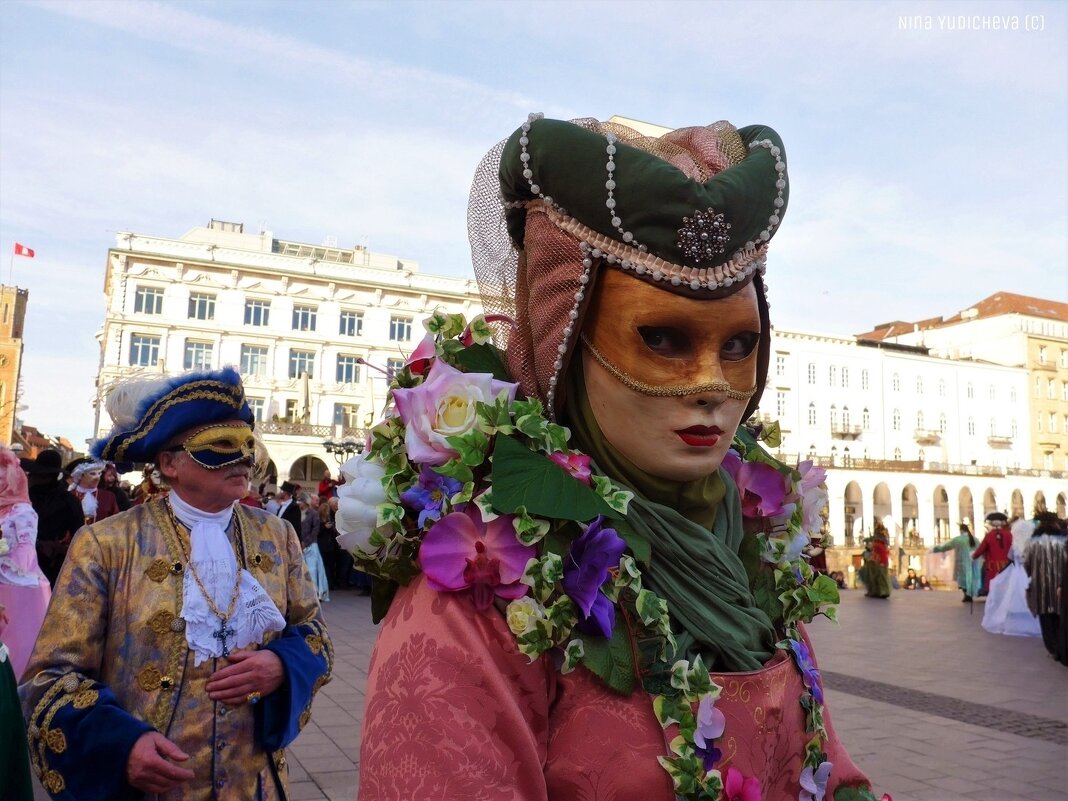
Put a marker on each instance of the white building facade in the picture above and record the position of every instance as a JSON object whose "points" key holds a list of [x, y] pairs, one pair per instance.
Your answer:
{"points": [[927, 442], [306, 326]]}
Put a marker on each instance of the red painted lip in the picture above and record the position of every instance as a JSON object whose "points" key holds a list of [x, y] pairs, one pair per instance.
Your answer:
{"points": [[700, 436]]}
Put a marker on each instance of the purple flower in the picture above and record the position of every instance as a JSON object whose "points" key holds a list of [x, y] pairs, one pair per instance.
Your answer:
{"points": [[809, 673], [462, 551], [814, 783], [710, 725], [591, 556], [763, 489], [429, 493]]}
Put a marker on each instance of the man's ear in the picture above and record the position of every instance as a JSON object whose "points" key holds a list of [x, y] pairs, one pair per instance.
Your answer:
{"points": [[165, 464]]}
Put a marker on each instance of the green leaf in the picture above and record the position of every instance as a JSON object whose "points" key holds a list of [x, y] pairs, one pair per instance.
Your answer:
{"points": [[573, 653], [637, 544], [471, 446], [456, 469], [522, 478], [483, 359], [612, 659], [382, 592]]}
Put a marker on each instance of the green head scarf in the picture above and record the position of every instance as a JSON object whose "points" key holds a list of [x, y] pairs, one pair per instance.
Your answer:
{"points": [[695, 530]]}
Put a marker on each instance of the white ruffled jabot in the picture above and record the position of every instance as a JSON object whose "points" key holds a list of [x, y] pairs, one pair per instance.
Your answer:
{"points": [[212, 556]]}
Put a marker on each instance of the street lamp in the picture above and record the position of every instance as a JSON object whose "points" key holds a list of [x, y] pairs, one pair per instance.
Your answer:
{"points": [[343, 449]]}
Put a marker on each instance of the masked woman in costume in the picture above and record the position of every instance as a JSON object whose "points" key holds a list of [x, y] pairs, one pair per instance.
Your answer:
{"points": [[597, 616], [24, 590]]}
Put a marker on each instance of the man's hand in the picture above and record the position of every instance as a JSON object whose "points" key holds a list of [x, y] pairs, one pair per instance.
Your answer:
{"points": [[249, 671], [150, 766]]}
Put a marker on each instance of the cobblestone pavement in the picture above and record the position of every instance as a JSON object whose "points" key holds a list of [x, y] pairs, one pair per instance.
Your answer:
{"points": [[928, 704]]}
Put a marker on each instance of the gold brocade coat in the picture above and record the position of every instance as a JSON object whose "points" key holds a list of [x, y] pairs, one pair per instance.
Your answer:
{"points": [[112, 662]]}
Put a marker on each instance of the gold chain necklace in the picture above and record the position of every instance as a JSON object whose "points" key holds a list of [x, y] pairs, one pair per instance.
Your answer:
{"points": [[224, 632]]}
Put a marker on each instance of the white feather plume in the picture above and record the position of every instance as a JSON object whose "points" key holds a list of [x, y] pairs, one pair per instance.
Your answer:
{"points": [[125, 399]]}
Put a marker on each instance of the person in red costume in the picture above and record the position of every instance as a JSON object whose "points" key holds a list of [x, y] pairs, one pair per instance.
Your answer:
{"points": [[995, 548]]}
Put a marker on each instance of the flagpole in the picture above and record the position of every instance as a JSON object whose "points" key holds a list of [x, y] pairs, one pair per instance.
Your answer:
{"points": [[10, 266]]}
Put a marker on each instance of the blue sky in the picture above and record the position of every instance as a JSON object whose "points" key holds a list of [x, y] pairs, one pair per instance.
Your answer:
{"points": [[929, 167]]}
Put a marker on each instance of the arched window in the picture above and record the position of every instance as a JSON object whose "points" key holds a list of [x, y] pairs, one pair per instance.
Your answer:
{"points": [[865, 419], [847, 459], [845, 378], [811, 451], [845, 417], [895, 383], [896, 420], [834, 417], [811, 373], [812, 414], [970, 390], [897, 454]]}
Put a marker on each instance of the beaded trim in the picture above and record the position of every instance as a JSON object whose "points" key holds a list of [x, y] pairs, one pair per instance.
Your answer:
{"points": [[736, 270], [664, 392], [588, 255]]}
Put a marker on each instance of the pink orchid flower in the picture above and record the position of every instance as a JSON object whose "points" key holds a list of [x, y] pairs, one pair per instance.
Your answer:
{"points": [[737, 787], [577, 464], [763, 488], [462, 551]]}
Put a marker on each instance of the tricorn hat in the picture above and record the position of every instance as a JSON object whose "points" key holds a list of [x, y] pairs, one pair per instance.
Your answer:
{"points": [[148, 414], [290, 487], [997, 517], [47, 461]]}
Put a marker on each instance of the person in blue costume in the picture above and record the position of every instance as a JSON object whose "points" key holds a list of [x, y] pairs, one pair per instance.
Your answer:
{"points": [[184, 642]]}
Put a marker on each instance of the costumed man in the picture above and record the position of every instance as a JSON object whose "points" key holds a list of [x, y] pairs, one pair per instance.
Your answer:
{"points": [[97, 502], [288, 509], [184, 643], [1045, 564], [994, 548], [59, 514], [151, 485], [966, 571]]}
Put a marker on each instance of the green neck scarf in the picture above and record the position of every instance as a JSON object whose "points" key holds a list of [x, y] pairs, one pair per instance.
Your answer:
{"points": [[695, 530]]}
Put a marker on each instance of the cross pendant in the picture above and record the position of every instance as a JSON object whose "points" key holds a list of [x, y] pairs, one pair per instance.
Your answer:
{"points": [[222, 634]]}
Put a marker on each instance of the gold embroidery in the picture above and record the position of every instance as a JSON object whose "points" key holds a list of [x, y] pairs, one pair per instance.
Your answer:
{"points": [[149, 678], [231, 395], [279, 758], [55, 740], [70, 683], [158, 570], [305, 716], [85, 698], [53, 781], [162, 622], [315, 643], [319, 682]]}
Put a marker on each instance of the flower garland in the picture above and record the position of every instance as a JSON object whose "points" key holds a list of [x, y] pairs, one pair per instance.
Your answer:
{"points": [[480, 492]]}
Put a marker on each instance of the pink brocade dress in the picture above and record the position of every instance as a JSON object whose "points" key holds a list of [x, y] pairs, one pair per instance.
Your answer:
{"points": [[455, 713], [24, 590]]}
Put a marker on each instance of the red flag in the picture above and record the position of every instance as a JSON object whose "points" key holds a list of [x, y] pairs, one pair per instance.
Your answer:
{"points": [[22, 250]]}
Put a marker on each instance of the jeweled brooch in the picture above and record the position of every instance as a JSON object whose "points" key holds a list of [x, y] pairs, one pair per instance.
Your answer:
{"points": [[704, 236]]}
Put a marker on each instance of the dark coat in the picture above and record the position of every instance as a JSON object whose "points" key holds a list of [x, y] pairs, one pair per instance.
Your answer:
{"points": [[59, 515], [292, 514]]}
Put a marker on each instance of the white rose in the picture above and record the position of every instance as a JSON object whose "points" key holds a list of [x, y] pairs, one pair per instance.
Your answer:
{"points": [[358, 500]]}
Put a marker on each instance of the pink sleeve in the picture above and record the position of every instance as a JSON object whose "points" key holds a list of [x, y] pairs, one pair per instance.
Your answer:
{"points": [[454, 712]]}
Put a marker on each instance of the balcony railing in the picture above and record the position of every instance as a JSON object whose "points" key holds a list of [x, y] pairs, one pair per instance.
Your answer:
{"points": [[927, 436], [997, 441], [916, 466], [291, 429], [840, 431]]}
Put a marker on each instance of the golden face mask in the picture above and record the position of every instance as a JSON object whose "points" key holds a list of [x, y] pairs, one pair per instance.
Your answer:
{"points": [[662, 344], [221, 445]]}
